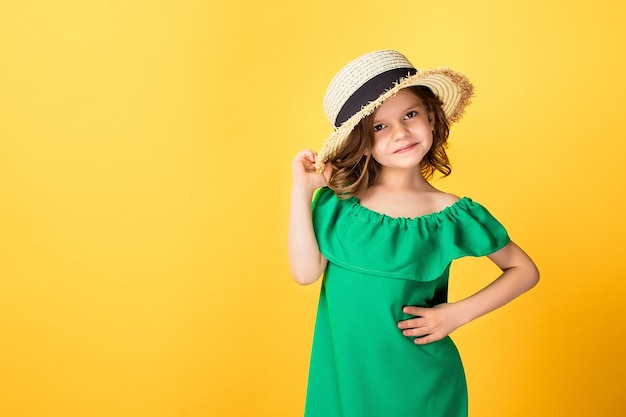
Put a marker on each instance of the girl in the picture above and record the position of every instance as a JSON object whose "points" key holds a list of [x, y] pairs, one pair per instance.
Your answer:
{"points": [[384, 238]]}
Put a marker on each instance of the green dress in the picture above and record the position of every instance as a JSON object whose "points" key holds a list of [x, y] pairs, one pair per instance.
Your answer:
{"points": [[361, 364]]}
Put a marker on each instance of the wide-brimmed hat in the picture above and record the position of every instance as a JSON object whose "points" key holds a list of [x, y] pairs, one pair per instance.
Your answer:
{"points": [[364, 84]]}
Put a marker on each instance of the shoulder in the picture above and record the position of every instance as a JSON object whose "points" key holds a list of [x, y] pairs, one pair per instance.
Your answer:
{"points": [[440, 200], [322, 192], [325, 200], [447, 199]]}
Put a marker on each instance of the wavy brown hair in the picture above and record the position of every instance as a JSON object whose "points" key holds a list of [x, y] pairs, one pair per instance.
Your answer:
{"points": [[354, 168]]}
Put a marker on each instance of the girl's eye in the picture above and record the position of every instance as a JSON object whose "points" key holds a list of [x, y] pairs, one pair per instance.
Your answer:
{"points": [[378, 128], [411, 114]]}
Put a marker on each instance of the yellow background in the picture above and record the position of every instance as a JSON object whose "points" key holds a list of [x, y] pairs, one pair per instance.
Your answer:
{"points": [[145, 156]]}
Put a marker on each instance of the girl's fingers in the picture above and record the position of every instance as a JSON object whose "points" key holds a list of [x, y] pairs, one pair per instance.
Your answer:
{"points": [[408, 324], [426, 339], [306, 158], [415, 311], [419, 331], [420, 319]]}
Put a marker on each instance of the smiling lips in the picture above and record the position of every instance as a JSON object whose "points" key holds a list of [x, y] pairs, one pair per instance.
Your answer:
{"points": [[406, 148]]}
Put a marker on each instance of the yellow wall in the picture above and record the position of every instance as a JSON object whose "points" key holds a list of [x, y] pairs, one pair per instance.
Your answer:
{"points": [[145, 152]]}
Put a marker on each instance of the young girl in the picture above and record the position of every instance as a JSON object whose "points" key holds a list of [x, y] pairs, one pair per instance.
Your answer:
{"points": [[384, 238]]}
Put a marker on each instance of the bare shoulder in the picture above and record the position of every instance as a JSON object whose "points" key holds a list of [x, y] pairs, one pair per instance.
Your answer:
{"points": [[441, 200]]}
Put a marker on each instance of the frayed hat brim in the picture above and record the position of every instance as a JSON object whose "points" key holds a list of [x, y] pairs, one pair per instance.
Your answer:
{"points": [[453, 89]]}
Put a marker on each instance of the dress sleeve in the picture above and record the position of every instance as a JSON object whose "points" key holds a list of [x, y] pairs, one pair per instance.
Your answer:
{"points": [[472, 231]]}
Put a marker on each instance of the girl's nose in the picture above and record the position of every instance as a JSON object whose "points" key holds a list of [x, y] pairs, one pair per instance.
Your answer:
{"points": [[399, 131]]}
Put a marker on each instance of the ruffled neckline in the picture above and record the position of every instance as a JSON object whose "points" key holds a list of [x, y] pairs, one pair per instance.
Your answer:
{"points": [[364, 213], [356, 238]]}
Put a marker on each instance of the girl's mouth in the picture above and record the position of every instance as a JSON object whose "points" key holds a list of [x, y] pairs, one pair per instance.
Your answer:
{"points": [[406, 148]]}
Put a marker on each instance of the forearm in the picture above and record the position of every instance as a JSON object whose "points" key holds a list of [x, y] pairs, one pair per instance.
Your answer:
{"points": [[513, 282], [305, 260], [519, 274]]}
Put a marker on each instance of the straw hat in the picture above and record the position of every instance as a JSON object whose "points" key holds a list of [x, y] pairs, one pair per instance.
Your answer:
{"points": [[365, 83]]}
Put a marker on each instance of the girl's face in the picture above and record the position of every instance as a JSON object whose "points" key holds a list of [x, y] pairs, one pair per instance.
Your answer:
{"points": [[403, 131]]}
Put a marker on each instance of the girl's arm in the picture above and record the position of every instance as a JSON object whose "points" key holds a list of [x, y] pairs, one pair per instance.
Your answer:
{"points": [[305, 260], [519, 274]]}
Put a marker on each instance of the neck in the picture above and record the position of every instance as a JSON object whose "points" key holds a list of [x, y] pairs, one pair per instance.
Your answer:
{"points": [[402, 179]]}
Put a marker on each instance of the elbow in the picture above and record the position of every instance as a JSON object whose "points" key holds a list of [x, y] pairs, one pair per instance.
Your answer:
{"points": [[303, 278], [533, 275], [305, 273], [536, 275], [526, 272]]}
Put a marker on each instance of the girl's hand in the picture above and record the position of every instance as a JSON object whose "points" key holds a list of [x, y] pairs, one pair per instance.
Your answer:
{"points": [[304, 175], [519, 274], [430, 324]]}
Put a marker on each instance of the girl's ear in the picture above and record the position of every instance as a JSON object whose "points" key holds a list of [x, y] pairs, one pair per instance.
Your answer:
{"points": [[431, 119], [366, 152]]}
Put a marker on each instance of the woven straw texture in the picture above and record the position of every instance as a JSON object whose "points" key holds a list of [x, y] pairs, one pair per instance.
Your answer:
{"points": [[453, 88], [357, 73]]}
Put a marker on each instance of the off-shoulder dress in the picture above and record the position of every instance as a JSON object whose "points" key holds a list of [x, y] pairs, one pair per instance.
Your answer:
{"points": [[361, 364]]}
